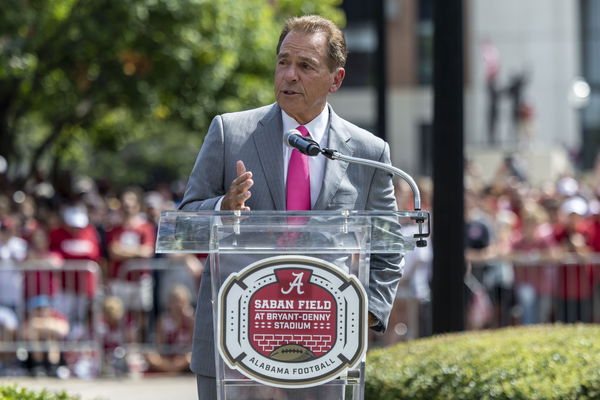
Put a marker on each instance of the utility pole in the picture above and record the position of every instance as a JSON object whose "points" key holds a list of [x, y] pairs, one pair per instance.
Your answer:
{"points": [[448, 167], [380, 68]]}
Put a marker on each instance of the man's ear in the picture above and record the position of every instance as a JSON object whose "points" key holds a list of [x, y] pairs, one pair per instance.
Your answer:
{"points": [[338, 77]]}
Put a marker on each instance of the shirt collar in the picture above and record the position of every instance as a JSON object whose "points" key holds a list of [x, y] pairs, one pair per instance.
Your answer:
{"points": [[316, 127]]}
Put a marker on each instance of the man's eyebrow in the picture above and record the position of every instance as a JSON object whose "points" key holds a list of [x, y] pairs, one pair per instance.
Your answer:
{"points": [[286, 54], [309, 59]]}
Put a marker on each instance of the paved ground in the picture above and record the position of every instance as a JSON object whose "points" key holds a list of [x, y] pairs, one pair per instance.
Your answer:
{"points": [[153, 388]]}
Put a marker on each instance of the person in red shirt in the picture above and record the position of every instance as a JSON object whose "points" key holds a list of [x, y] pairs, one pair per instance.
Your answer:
{"points": [[76, 239], [593, 241], [134, 238], [130, 244], [534, 253], [43, 275], [174, 334], [575, 278]]}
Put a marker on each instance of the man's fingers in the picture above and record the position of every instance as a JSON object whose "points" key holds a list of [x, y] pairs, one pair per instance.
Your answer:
{"points": [[241, 184], [243, 197], [241, 179], [240, 167], [238, 191], [236, 201]]}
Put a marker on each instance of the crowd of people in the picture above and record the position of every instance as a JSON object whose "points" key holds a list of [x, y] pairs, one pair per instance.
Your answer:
{"points": [[66, 254], [531, 250]]}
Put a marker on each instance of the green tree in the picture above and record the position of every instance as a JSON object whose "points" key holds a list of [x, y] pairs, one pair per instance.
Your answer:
{"points": [[85, 80]]}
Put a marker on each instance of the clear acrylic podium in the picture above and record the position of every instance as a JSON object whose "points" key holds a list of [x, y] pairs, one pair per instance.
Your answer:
{"points": [[349, 240]]}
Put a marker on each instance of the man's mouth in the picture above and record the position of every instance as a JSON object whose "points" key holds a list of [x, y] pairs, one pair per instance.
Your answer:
{"points": [[289, 92]]}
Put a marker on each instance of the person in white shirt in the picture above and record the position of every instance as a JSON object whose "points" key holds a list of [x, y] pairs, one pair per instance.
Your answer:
{"points": [[13, 250]]}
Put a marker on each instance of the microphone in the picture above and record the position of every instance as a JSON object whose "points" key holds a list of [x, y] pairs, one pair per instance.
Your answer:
{"points": [[305, 145]]}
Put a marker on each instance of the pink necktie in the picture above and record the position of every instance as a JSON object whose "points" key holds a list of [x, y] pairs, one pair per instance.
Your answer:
{"points": [[298, 180]]}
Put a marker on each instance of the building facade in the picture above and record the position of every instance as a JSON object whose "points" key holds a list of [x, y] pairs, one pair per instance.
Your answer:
{"points": [[521, 61]]}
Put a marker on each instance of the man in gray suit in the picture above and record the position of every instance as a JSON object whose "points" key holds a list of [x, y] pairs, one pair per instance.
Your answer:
{"points": [[243, 164]]}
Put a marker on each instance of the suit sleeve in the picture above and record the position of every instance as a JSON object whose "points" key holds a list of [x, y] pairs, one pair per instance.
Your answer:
{"points": [[206, 182], [385, 269]]}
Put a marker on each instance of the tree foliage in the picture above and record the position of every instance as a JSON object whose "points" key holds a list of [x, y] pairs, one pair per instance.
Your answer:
{"points": [[83, 80], [13, 392]]}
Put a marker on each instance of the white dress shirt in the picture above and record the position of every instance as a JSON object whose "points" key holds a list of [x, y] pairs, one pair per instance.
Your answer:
{"points": [[317, 128]]}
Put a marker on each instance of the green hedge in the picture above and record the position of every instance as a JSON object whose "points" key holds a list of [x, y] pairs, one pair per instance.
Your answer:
{"points": [[536, 362], [13, 392]]}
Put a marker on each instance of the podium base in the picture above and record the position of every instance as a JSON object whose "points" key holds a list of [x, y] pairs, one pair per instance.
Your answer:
{"points": [[350, 387]]}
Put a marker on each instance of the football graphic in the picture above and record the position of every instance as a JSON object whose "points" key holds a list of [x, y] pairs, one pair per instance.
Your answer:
{"points": [[291, 353]]}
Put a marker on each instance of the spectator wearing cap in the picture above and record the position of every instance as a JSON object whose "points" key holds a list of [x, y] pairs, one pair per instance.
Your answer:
{"points": [[153, 203], [567, 187], [44, 324], [76, 239], [575, 279]]}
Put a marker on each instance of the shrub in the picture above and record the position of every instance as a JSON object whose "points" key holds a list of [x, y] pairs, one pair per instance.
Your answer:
{"points": [[12, 392], [535, 362]]}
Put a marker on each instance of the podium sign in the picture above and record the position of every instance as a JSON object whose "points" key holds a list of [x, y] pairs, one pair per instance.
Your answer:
{"points": [[292, 321], [284, 302]]}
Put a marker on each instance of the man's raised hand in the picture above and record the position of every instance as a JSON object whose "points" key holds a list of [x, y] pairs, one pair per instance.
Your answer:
{"points": [[238, 192]]}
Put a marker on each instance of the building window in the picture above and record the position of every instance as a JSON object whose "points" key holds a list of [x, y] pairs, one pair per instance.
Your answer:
{"points": [[361, 40], [590, 51], [425, 42]]}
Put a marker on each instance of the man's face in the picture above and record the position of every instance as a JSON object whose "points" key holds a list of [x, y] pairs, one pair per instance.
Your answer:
{"points": [[302, 76], [41, 312], [131, 205]]}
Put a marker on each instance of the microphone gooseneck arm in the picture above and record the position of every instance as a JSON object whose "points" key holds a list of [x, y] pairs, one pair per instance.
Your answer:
{"points": [[335, 155], [308, 146], [421, 242]]}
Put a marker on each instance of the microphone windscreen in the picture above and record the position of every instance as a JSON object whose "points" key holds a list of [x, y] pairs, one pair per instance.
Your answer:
{"points": [[288, 134]]}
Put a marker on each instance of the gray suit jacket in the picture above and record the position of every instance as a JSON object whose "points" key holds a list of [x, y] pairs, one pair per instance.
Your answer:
{"points": [[256, 138]]}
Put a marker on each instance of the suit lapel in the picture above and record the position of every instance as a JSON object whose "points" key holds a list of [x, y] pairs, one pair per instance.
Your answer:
{"points": [[339, 140], [268, 140]]}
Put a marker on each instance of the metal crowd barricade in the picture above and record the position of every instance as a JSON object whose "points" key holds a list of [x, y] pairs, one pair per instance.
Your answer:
{"points": [[144, 288], [529, 289], [517, 290], [49, 317]]}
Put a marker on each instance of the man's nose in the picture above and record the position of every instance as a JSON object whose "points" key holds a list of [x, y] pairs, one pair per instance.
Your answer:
{"points": [[291, 74]]}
